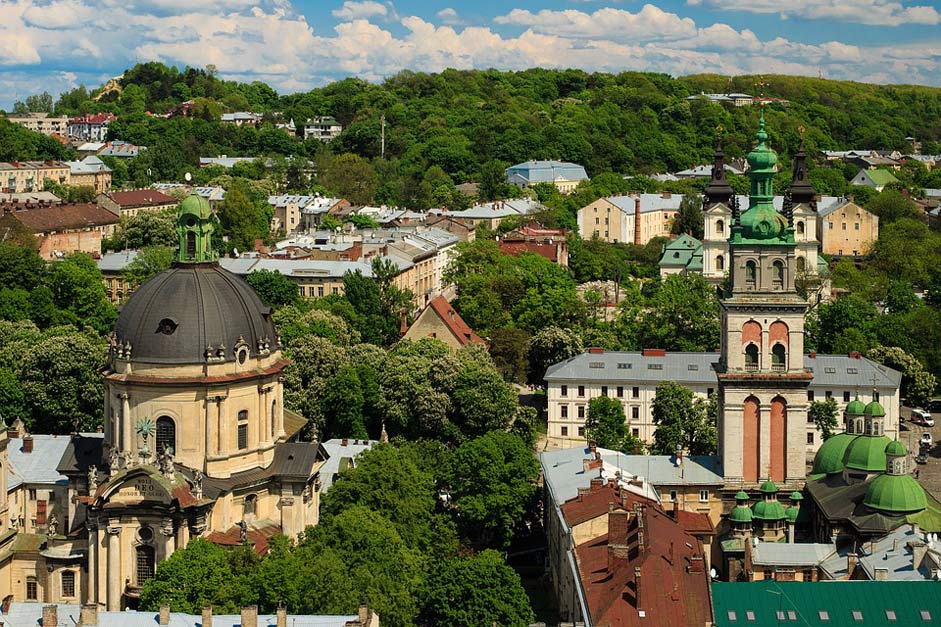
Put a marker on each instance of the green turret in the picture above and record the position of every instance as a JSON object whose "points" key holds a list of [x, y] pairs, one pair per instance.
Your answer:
{"points": [[194, 227]]}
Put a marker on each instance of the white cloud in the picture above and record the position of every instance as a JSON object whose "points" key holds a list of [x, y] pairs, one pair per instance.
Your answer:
{"points": [[874, 12], [449, 17], [649, 23], [354, 10]]}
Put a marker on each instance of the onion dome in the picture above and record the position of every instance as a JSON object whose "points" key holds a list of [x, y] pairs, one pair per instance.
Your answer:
{"points": [[874, 409], [895, 449], [196, 206], [768, 510], [740, 513], [830, 455], [768, 487], [896, 494], [763, 222], [762, 157], [867, 453], [855, 407], [796, 497]]}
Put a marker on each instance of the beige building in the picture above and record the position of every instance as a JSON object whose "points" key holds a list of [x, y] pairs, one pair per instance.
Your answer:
{"points": [[563, 175], [439, 320], [615, 219], [847, 229], [30, 176], [42, 123], [90, 172]]}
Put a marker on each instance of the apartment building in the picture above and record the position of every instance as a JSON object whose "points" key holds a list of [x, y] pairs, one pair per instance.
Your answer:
{"points": [[630, 219], [632, 377], [847, 229], [30, 176], [42, 123]]}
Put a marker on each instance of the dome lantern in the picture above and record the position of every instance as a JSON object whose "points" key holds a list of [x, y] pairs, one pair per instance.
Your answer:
{"points": [[194, 226]]}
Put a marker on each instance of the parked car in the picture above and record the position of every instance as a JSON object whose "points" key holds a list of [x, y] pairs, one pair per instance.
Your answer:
{"points": [[926, 441], [934, 405], [921, 458], [922, 417]]}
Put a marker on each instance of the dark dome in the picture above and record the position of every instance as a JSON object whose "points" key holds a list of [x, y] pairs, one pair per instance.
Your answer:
{"points": [[176, 316]]}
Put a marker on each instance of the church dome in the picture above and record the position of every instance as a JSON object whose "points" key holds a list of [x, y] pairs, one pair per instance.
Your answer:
{"points": [[867, 453], [874, 409], [762, 157], [768, 487], [895, 449], [830, 455], [895, 494], [195, 313], [855, 407], [768, 510], [740, 514], [763, 222], [195, 206]]}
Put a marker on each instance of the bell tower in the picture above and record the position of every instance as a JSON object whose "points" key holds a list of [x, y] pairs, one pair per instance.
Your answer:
{"points": [[762, 380]]}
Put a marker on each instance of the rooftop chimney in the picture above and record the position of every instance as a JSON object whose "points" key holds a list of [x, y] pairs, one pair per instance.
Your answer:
{"points": [[88, 615], [638, 596], [50, 615], [637, 240], [164, 618], [282, 616], [207, 616], [27, 444], [250, 616], [851, 560], [882, 574]]}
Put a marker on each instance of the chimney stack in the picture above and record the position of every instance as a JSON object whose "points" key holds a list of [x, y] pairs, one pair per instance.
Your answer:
{"points": [[27, 444], [851, 559], [282, 616], [637, 220], [364, 614], [88, 615], [164, 615], [50, 615], [250, 616], [882, 574], [207, 616]]}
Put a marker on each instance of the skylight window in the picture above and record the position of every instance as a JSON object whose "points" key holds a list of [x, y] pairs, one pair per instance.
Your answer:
{"points": [[750, 616], [824, 615], [857, 616], [791, 615], [732, 616], [925, 615], [890, 615], [780, 615]]}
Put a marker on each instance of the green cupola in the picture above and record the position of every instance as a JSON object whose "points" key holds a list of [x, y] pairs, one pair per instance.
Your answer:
{"points": [[741, 513], [195, 226], [855, 407], [761, 223], [829, 457], [768, 509], [874, 410]]}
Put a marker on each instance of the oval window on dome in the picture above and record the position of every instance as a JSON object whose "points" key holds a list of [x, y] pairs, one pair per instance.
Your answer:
{"points": [[167, 326], [242, 355]]}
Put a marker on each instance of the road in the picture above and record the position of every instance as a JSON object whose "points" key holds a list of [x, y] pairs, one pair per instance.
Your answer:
{"points": [[929, 474]]}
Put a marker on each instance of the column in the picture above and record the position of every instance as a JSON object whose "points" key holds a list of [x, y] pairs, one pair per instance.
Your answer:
{"points": [[280, 396], [208, 435], [125, 423], [764, 450], [114, 569], [92, 585], [170, 534], [223, 432]]}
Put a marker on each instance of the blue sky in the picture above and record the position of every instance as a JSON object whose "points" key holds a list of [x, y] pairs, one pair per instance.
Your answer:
{"points": [[299, 44]]}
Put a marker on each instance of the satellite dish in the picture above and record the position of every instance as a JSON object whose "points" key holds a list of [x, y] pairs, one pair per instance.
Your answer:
{"points": [[235, 252], [188, 177], [713, 573]]}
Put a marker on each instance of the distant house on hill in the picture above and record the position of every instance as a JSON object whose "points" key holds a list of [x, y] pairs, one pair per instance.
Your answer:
{"points": [[877, 179], [565, 176], [439, 320]]}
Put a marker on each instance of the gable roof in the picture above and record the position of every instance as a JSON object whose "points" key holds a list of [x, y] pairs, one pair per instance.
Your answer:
{"points": [[531, 172], [141, 198], [441, 308], [64, 217], [40, 465]]}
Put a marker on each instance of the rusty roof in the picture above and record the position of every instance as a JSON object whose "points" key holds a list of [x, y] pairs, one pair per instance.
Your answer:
{"points": [[63, 217], [142, 198], [258, 535], [453, 321]]}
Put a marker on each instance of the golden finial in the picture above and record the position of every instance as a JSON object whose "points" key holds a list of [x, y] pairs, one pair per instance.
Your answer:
{"points": [[800, 131]]}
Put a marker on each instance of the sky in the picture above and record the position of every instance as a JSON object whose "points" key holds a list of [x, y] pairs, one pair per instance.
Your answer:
{"points": [[295, 45]]}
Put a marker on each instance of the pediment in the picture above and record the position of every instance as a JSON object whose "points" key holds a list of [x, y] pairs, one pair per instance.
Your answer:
{"points": [[138, 485]]}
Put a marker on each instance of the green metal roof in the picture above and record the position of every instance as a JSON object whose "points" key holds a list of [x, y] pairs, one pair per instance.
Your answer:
{"points": [[829, 457], [796, 496], [741, 495], [197, 206], [875, 409], [826, 604], [680, 251], [768, 510], [740, 514], [855, 407], [895, 494], [768, 487], [867, 453], [881, 177], [791, 513], [896, 449]]}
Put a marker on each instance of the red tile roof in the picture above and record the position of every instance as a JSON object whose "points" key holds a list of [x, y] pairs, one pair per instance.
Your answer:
{"points": [[674, 583], [453, 321], [518, 247], [258, 535], [142, 198], [64, 217]]}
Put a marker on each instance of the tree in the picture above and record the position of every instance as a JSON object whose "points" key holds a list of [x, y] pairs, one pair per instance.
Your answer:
{"points": [[190, 579], [683, 421], [682, 315], [343, 409], [489, 593], [690, 219], [275, 289], [509, 348], [242, 219], [148, 263], [78, 291], [351, 177], [918, 385], [891, 205], [147, 228], [605, 424], [550, 346], [493, 484], [824, 415], [482, 401]]}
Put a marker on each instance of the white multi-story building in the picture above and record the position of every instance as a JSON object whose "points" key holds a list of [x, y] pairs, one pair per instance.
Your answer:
{"points": [[324, 128], [632, 377]]}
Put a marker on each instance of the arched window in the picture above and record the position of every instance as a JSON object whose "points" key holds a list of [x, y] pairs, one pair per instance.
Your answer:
{"points": [[248, 509], [243, 429], [191, 245], [801, 264], [799, 227], [778, 268], [166, 434], [720, 263], [751, 357], [751, 272], [720, 226], [145, 564], [68, 583], [778, 357]]}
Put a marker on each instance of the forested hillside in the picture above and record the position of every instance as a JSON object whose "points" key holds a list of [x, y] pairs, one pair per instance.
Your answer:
{"points": [[461, 120]]}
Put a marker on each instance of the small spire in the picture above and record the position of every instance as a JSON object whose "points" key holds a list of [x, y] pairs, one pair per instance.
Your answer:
{"points": [[718, 190]]}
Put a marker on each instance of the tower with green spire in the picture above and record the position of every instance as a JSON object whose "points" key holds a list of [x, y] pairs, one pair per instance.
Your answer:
{"points": [[762, 379], [195, 226]]}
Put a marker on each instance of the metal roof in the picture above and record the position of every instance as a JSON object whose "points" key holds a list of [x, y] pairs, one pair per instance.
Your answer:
{"points": [[116, 262], [892, 552], [40, 465], [671, 202], [829, 604], [341, 456], [30, 615], [697, 368], [786, 554], [531, 172]]}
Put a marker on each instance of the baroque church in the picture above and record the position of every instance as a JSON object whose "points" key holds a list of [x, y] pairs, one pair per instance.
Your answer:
{"points": [[196, 439]]}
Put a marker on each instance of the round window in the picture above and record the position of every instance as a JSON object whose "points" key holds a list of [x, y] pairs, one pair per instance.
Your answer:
{"points": [[242, 355], [145, 534], [190, 221]]}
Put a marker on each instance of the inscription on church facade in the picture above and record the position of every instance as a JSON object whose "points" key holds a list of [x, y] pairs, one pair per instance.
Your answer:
{"points": [[141, 488]]}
